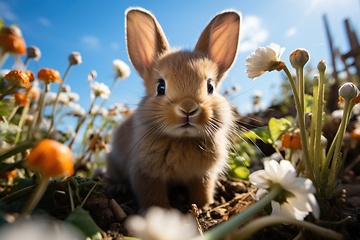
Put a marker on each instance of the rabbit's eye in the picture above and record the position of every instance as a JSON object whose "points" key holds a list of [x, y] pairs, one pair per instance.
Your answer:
{"points": [[160, 90], [210, 87]]}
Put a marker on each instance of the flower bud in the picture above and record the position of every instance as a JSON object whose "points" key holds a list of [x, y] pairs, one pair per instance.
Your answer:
{"points": [[299, 57], [33, 52], [321, 66], [348, 91], [75, 58], [92, 75]]}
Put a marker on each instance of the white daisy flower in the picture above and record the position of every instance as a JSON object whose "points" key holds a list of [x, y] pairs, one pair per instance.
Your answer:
{"points": [[297, 198], [97, 111], [100, 89], [77, 110], [264, 59], [73, 96], [122, 70], [162, 224]]}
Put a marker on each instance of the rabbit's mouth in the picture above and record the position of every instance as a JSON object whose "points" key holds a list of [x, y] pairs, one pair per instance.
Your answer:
{"points": [[187, 125], [186, 130]]}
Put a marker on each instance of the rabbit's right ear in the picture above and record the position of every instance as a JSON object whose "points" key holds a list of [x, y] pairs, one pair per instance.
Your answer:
{"points": [[145, 39]]}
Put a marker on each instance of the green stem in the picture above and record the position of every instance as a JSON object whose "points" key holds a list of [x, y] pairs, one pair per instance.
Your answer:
{"points": [[263, 222], [21, 122], [6, 92], [36, 197], [318, 128], [234, 222], [301, 119], [3, 56], [344, 122], [301, 87], [57, 99], [313, 129], [40, 110]]}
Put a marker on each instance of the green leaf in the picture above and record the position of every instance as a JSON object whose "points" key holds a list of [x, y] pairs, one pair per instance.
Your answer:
{"points": [[263, 133], [6, 106], [250, 135], [242, 172], [277, 127], [81, 219]]}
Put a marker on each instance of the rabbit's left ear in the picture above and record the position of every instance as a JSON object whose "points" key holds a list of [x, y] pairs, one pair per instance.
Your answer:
{"points": [[219, 40]]}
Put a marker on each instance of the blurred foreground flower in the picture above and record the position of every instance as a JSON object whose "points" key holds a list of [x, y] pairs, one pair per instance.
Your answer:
{"points": [[39, 229], [162, 224], [296, 199], [51, 158], [122, 70], [264, 59]]}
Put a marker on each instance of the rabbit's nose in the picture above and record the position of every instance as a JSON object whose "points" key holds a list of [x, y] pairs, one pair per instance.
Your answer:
{"points": [[188, 108]]}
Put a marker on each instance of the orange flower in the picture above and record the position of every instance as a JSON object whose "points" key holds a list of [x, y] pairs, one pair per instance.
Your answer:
{"points": [[291, 140], [11, 40], [8, 175], [340, 100], [21, 99], [17, 78], [48, 75], [30, 75], [51, 158], [356, 134]]}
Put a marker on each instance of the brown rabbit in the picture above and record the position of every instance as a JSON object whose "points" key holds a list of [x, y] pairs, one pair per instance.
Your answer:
{"points": [[180, 132]]}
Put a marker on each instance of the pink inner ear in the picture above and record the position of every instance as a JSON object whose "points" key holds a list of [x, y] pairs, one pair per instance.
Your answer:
{"points": [[224, 41], [145, 39]]}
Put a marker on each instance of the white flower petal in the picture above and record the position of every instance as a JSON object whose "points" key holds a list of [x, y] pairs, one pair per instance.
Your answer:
{"points": [[300, 202], [162, 224], [258, 179], [262, 60], [314, 206], [260, 193]]}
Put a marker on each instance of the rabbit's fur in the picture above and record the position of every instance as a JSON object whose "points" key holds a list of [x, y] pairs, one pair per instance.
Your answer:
{"points": [[180, 132]]}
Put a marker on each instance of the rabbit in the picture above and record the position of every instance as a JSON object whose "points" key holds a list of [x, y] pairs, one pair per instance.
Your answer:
{"points": [[180, 131]]}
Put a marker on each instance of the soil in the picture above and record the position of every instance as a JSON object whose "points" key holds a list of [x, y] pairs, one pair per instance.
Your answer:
{"points": [[233, 196]]}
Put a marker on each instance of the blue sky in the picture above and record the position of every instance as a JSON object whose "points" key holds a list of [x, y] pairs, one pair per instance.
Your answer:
{"points": [[96, 30]]}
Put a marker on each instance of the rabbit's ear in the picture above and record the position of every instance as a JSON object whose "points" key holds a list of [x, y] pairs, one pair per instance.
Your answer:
{"points": [[145, 39], [219, 40]]}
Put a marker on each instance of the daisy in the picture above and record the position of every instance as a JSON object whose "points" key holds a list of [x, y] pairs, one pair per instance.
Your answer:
{"points": [[264, 59], [297, 196], [162, 224], [122, 70], [100, 90]]}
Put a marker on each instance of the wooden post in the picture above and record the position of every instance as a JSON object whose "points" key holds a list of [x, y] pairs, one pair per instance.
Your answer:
{"points": [[354, 46], [331, 101]]}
